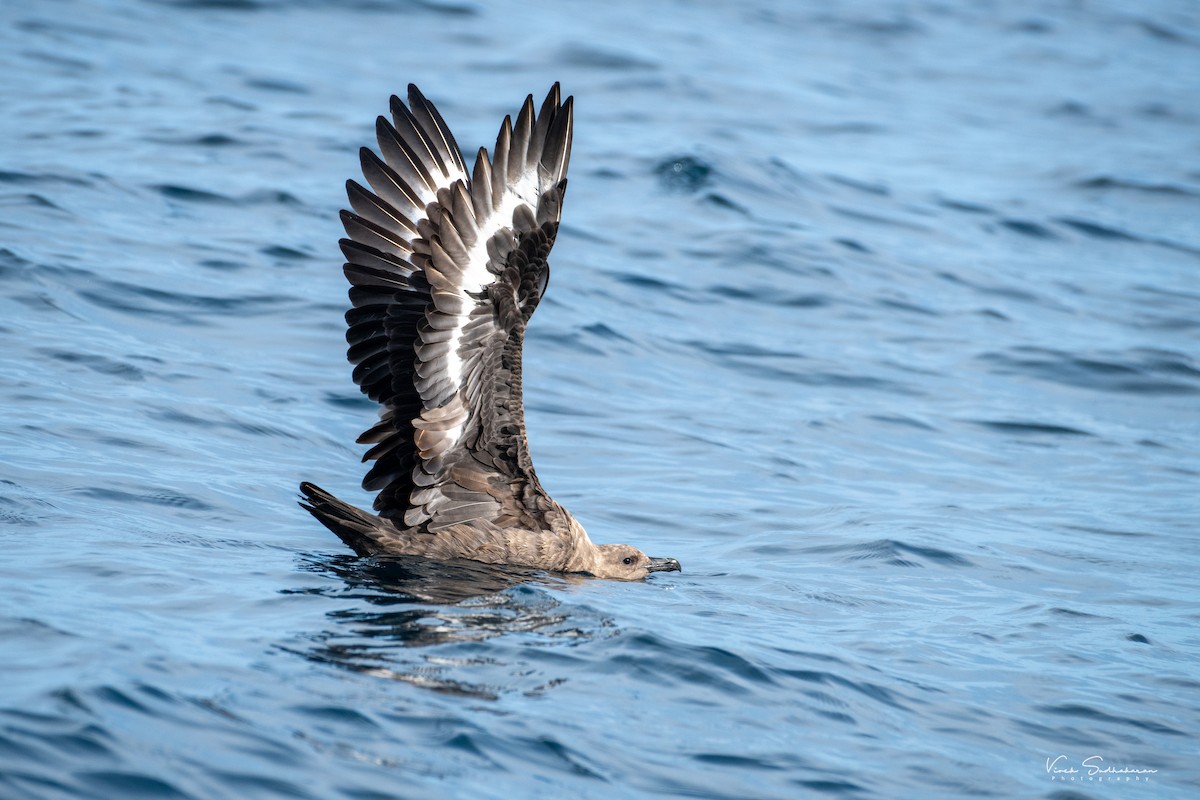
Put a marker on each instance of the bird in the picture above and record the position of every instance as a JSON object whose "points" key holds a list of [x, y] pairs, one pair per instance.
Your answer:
{"points": [[446, 268]]}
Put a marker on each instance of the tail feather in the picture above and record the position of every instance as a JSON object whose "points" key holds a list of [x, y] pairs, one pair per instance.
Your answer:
{"points": [[355, 527]]}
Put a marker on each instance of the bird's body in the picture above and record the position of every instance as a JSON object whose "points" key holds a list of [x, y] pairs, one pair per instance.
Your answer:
{"points": [[446, 268]]}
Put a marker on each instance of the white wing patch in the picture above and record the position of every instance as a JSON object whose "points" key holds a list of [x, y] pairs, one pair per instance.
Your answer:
{"points": [[477, 275], [475, 278]]}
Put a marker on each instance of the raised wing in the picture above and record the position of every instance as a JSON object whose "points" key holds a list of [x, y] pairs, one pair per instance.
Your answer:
{"points": [[446, 270]]}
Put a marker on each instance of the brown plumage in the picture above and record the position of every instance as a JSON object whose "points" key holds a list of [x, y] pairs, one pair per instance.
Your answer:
{"points": [[446, 269]]}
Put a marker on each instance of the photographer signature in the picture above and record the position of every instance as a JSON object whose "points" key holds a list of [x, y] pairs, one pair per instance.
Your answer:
{"points": [[1091, 766]]}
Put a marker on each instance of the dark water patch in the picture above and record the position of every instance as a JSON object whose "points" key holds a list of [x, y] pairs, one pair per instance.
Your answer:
{"points": [[811, 655], [848, 128], [1021, 428], [12, 515], [179, 417], [760, 251], [546, 751], [902, 421], [89, 743], [1073, 109], [10, 747], [465, 742], [605, 173], [1129, 184], [722, 202], [770, 295], [1140, 371], [893, 552], [1035, 25], [1058, 736], [575, 341], [62, 30], [1164, 32], [222, 264], [757, 367], [76, 65], [99, 364], [584, 235], [1160, 111], [1072, 613], [786, 176], [337, 714], [117, 697], [272, 197], [965, 206], [652, 284], [1092, 714], [866, 187], [1098, 231], [356, 402], [203, 140], [191, 309], [740, 349], [652, 658], [187, 194], [261, 429], [244, 784], [277, 85], [853, 244], [592, 57], [39, 302], [236, 103], [1163, 295], [163, 498], [446, 9], [12, 264], [284, 253], [683, 174], [1121, 534], [26, 178], [907, 307], [1106, 232], [1028, 228], [215, 140], [602, 331], [31, 199], [737, 762], [840, 787], [877, 219], [220, 421], [130, 784], [870, 690], [883, 25]]}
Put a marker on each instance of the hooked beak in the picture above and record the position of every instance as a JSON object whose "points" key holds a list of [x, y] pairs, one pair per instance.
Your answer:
{"points": [[664, 565]]}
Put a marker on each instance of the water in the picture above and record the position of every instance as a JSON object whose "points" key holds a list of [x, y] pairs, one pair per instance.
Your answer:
{"points": [[881, 317]]}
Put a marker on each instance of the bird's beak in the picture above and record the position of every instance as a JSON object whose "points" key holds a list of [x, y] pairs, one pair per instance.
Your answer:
{"points": [[664, 565]]}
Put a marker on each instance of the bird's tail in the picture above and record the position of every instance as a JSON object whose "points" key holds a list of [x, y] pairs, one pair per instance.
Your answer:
{"points": [[355, 527]]}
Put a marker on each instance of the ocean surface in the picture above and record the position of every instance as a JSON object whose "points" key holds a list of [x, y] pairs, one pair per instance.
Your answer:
{"points": [[882, 317]]}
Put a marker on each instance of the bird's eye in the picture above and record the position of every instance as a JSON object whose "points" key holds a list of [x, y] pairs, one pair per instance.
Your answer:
{"points": [[627, 560]]}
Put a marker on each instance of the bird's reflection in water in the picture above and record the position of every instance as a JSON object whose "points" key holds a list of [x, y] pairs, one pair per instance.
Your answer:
{"points": [[433, 623]]}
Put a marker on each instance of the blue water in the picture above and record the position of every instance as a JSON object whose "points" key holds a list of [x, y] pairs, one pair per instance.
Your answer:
{"points": [[881, 317]]}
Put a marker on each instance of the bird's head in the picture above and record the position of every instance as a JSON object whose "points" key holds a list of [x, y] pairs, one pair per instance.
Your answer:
{"points": [[627, 563]]}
